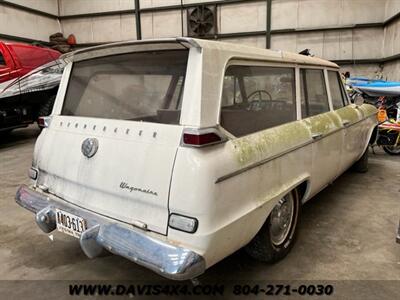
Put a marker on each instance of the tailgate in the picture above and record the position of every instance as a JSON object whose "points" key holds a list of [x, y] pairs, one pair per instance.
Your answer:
{"points": [[127, 179]]}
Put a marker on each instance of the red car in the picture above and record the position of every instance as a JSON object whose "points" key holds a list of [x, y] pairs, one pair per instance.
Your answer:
{"points": [[19, 108]]}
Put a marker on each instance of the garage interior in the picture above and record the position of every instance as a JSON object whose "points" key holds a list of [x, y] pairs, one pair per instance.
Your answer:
{"points": [[347, 232], [362, 36]]}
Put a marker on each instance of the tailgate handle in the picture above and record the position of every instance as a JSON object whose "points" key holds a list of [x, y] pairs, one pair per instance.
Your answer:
{"points": [[346, 123], [317, 136]]}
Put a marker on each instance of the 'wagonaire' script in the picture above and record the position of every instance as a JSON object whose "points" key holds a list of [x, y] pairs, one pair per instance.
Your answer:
{"points": [[131, 189]]}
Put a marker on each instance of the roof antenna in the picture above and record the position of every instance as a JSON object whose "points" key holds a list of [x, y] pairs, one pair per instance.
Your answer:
{"points": [[306, 52]]}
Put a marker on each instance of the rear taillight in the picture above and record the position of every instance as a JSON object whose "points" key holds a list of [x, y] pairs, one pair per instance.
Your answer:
{"points": [[44, 122], [202, 137], [183, 223], [33, 173]]}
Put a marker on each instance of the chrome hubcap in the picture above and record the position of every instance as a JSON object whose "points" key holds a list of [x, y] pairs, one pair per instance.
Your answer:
{"points": [[281, 220]]}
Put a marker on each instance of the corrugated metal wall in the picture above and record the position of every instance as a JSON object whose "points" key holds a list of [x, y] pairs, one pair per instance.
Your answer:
{"points": [[15, 21]]}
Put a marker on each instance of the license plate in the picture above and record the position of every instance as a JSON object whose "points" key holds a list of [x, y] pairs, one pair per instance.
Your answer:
{"points": [[70, 224]]}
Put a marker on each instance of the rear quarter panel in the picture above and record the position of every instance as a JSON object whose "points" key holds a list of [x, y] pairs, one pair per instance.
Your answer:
{"points": [[369, 123], [231, 188]]}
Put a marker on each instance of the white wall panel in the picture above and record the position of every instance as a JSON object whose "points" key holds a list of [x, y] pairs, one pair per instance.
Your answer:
{"points": [[167, 24], [158, 3], [248, 41], [82, 28], [106, 29], [361, 11], [128, 27], [48, 6], [161, 24], [362, 70], [323, 13], [346, 44], [242, 17], [285, 14], [391, 71], [200, 1], [286, 42], [391, 44], [313, 41], [74, 7], [101, 29], [317, 13], [27, 25], [333, 45], [367, 43]]}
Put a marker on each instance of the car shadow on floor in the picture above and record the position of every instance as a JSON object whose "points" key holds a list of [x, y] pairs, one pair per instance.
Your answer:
{"points": [[19, 136]]}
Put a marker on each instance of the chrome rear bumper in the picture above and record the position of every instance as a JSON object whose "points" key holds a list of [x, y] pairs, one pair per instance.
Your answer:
{"points": [[134, 244]]}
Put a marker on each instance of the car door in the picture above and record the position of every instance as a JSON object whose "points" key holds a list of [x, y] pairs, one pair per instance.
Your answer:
{"points": [[324, 126], [353, 134]]}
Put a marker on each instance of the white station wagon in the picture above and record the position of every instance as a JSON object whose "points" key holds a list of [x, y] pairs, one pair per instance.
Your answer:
{"points": [[175, 153]]}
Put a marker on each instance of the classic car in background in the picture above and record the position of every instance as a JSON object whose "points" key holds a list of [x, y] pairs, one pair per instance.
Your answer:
{"points": [[23, 96], [175, 153]]}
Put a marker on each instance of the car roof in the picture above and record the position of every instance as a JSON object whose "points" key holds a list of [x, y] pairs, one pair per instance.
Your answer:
{"points": [[236, 50]]}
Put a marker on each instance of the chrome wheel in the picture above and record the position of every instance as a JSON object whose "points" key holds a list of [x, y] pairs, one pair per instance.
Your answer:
{"points": [[281, 219]]}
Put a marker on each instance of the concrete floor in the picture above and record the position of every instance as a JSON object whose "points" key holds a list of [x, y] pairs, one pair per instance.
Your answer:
{"points": [[347, 232]]}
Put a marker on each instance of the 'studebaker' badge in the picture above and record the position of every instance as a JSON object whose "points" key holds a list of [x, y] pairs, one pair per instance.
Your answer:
{"points": [[89, 147]]}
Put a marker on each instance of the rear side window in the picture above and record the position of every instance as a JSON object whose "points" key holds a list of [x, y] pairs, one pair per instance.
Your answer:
{"points": [[31, 57], [338, 100], [255, 98], [145, 86], [2, 61], [314, 97]]}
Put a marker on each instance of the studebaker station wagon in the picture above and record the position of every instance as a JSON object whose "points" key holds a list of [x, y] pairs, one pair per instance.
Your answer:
{"points": [[175, 153]]}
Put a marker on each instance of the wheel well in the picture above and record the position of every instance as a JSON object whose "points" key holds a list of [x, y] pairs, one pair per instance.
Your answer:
{"points": [[374, 135], [302, 189]]}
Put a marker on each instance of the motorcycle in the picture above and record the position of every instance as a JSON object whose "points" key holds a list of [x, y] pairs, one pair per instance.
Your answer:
{"points": [[387, 133]]}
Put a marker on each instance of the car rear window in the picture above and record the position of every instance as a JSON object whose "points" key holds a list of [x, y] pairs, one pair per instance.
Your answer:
{"points": [[145, 86]]}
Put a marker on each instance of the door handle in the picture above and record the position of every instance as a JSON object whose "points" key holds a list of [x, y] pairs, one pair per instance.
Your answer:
{"points": [[317, 136], [346, 123]]}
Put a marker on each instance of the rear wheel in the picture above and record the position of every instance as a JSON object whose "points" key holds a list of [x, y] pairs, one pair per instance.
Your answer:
{"points": [[392, 150], [275, 239]]}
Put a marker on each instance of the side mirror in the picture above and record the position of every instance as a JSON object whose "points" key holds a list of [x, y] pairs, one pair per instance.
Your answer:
{"points": [[358, 100]]}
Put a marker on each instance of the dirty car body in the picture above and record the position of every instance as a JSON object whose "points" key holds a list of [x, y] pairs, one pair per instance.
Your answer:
{"points": [[173, 153]]}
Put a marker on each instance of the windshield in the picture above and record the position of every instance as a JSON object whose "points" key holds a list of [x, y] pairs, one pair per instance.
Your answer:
{"points": [[137, 86]]}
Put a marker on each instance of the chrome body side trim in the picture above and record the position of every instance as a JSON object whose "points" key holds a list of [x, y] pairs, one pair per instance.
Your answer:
{"points": [[261, 162], [314, 139]]}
